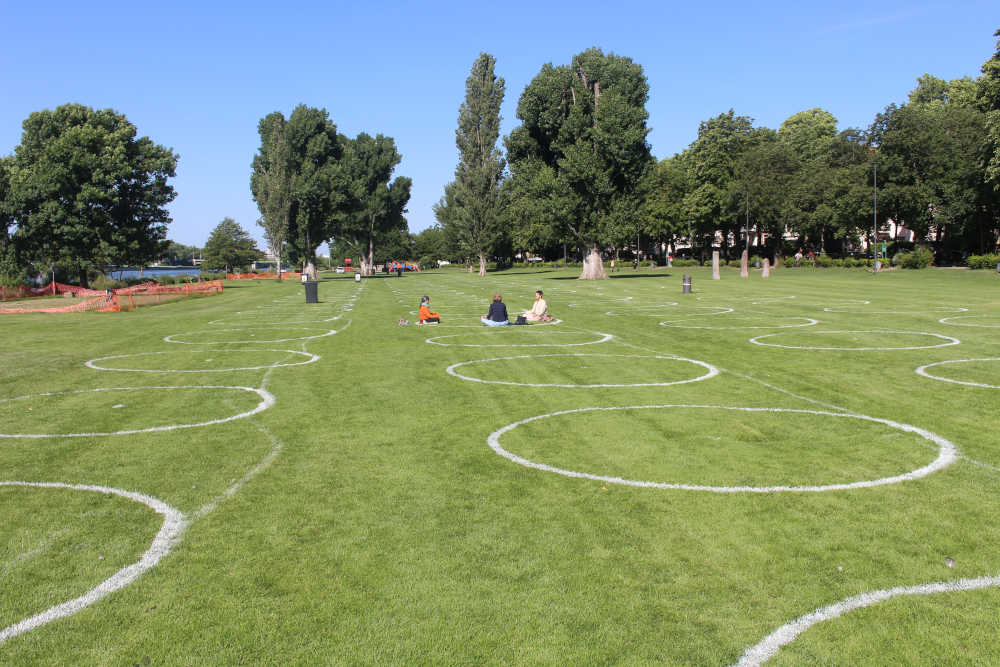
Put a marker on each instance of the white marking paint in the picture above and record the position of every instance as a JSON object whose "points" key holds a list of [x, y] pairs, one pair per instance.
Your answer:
{"points": [[948, 341], [769, 646], [603, 339], [169, 534], [947, 453], [808, 323], [267, 400], [948, 320], [711, 371], [923, 371], [93, 363], [170, 338]]}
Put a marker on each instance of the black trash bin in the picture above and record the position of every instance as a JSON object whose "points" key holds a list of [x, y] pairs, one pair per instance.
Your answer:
{"points": [[312, 291]]}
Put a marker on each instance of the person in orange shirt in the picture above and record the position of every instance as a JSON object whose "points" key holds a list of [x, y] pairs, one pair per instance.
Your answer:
{"points": [[425, 312]]}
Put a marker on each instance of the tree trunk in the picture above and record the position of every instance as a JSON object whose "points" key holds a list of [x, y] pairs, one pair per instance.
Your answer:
{"points": [[482, 265], [83, 277], [766, 270], [593, 265]]}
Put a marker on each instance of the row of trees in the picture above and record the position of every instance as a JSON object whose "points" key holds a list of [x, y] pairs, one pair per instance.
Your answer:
{"points": [[579, 170], [315, 185]]}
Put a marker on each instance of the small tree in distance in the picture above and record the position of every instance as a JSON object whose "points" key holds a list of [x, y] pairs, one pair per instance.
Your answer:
{"points": [[229, 247]]}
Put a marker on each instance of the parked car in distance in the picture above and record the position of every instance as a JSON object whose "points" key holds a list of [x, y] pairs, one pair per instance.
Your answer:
{"points": [[340, 269]]}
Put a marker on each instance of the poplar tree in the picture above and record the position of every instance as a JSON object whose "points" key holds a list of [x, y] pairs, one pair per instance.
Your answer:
{"points": [[470, 212]]}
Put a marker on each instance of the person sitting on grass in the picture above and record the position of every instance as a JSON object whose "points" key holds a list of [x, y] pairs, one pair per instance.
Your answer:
{"points": [[426, 316], [539, 310], [497, 317]]}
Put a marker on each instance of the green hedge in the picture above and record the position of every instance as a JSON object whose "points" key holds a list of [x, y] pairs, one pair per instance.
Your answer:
{"points": [[982, 261]]}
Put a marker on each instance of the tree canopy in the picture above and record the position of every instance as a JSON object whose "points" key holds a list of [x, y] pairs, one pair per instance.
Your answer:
{"points": [[471, 212], [229, 247], [84, 190], [581, 149]]}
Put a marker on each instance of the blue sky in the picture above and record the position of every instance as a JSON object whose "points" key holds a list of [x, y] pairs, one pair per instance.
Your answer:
{"points": [[197, 77]]}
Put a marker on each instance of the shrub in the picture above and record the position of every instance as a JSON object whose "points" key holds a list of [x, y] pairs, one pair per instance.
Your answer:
{"points": [[825, 261], [681, 263], [920, 258], [103, 282], [982, 261]]}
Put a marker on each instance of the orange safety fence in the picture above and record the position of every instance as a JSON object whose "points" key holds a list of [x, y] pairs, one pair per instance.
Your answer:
{"points": [[288, 275], [125, 298]]}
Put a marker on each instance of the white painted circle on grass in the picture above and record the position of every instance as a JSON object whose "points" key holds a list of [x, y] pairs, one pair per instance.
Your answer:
{"points": [[950, 320], [948, 341], [309, 358], [808, 323], [253, 337], [947, 453], [711, 371], [923, 371], [602, 338], [932, 309], [170, 531], [786, 634], [267, 400]]}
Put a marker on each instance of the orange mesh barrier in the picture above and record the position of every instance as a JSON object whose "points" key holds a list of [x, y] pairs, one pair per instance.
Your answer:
{"points": [[125, 298], [288, 275]]}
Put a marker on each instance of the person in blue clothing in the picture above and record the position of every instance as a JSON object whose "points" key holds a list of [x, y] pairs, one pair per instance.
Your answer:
{"points": [[497, 317]]}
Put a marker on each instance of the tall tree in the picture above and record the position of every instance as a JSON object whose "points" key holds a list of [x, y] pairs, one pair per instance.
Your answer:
{"points": [[586, 122], [271, 183], [666, 185], [229, 247], [373, 207], [296, 179], [988, 96], [86, 191], [714, 160], [473, 200]]}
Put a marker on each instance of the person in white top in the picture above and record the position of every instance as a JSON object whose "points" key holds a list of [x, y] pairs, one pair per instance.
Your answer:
{"points": [[539, 310]]}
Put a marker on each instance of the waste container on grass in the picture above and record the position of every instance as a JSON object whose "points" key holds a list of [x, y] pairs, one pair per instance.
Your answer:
{"points": [[312, 291]]}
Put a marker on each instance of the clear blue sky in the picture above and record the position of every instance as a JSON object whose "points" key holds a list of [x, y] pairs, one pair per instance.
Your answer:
{"points": [[197, 77]]}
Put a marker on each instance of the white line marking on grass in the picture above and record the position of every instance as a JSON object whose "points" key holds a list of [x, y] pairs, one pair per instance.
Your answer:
{"points": [[256, 340], [947, 453], [948, 341], [948, 320], [603, 339], [808, 323], [923, 371], [168, 535], [310, 358], [267, 400], [935, 309], [712, 371], [769, 646]]}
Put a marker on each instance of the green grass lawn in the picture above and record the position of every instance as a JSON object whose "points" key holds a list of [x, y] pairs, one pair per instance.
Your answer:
{"points": [[364, 516]]}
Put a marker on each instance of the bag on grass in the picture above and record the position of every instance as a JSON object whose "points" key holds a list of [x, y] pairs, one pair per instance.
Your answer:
{"points": [[520, 320]]}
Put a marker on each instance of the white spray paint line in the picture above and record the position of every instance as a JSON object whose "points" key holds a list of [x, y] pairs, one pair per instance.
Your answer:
{"points": [[936, 309], [712, 371], [808, 323], [169, 534], [948, 341], [770, 645], [256, 341], [93, 363], [922, 370], [267, 400], [947, 453], [948, 320], [603, 339]]}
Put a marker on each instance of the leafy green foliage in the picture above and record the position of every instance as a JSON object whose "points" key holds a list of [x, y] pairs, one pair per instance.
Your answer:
{"points": [[581, 151], [229, 247], [470, 211], [85, 190], [373, 207]]}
